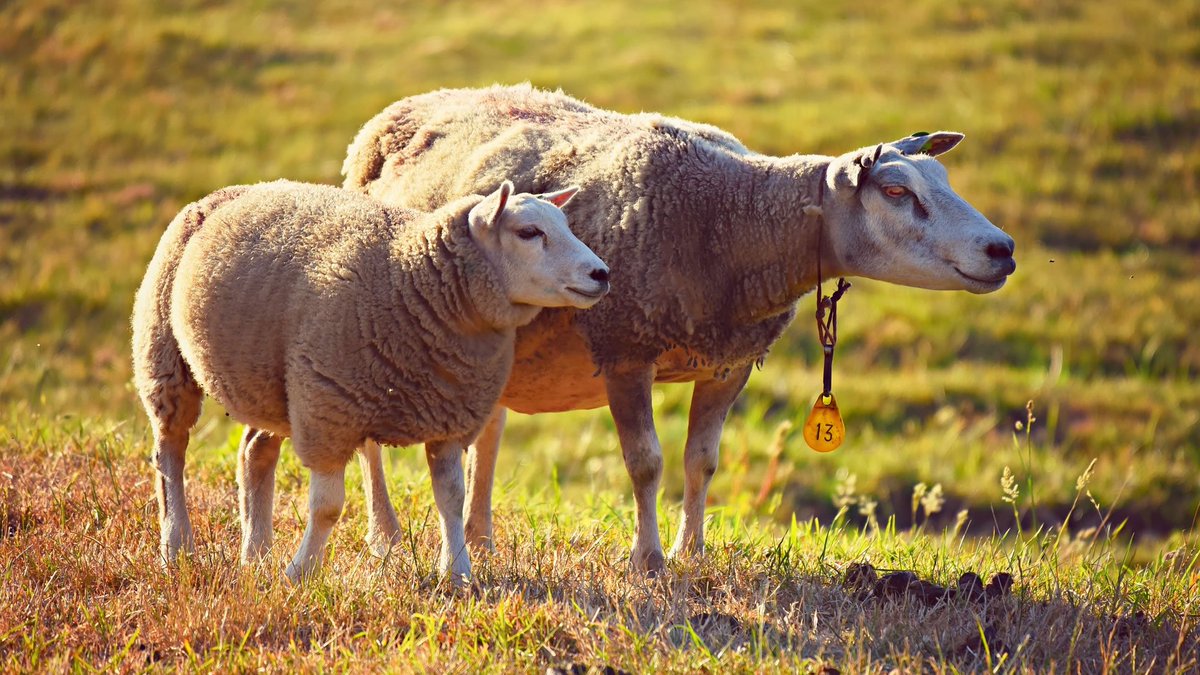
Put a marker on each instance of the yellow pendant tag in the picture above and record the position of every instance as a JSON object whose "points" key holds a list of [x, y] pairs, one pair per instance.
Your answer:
{"points": [[824, 430]]}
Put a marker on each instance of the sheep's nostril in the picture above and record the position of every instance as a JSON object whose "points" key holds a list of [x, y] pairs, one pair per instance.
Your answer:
{"points": [[599, 274], [1000, 250]]}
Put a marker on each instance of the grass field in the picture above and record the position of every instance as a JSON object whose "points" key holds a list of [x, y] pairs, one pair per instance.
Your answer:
{"points": [[1083, 141]]}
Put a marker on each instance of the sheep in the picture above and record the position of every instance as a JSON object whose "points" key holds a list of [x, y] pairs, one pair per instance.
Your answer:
{"points": [[711, 246], [318, 313]]}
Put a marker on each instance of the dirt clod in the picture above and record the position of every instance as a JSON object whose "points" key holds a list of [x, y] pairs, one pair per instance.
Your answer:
{"points": [[584, 669], [895, 585], [1000, 585], [970, 585], [977, 645], [864, 582], [1130, 625], [859, 575], [716, 621]]}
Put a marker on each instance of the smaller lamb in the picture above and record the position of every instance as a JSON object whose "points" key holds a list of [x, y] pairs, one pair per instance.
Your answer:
{"points": [[317, 313]]}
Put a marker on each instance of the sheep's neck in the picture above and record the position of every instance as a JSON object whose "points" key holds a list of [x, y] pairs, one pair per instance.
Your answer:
{"points": [[456, 282], [782, 266]]}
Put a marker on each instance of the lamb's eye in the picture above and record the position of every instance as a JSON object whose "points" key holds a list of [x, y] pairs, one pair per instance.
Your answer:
{"points": [[529, 232], [895, 191]]}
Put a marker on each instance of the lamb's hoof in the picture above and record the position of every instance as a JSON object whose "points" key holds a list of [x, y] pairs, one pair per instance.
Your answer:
{"points": [[686, 552], [293, 575], [479, 536], [253, 554], [650, 563], [381, 546], [460, 580], [172, 547], [481, 543]]}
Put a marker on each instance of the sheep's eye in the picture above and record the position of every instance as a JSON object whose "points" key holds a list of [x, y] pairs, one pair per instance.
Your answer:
{"points": [[529, 233], [895, 191]]}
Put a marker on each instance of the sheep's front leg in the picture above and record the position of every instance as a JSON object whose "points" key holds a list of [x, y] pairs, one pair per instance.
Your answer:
{"points": [[383, 528], [481, 474], [445, 469], [630, 403], [258, 454], [711, 400], [326, 496]]}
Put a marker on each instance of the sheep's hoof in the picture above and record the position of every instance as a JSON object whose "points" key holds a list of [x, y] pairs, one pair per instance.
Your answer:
{"points": [[481, 541], [381, 545], [650, 563], [293, 575], [460, 580], [254, 552], [686, 552]]}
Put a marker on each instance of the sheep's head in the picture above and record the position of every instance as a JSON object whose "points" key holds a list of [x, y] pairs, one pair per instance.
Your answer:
{"points": [[540, 262], [893, 216]]}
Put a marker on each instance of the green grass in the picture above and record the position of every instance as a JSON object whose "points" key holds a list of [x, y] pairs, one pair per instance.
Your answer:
{"points": [[1082, 127], [81, 588]]}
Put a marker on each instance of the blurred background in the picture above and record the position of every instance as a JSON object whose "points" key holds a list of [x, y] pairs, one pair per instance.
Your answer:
{"points": [[1083, 142]]}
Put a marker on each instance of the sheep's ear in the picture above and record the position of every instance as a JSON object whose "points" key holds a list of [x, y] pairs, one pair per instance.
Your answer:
{"points": [[924, 143], [561, 197], [502, 194], [862, 164]]}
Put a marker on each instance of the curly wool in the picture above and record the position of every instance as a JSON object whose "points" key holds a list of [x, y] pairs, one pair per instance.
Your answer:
{"points": [[709, 243], [288, 299]]}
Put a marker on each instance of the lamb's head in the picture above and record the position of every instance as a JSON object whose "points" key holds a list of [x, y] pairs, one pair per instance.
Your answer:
{"points": [[892, 216], [540, 261]]}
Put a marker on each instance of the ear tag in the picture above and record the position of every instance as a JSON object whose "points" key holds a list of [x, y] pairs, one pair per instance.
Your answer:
{"points": [[824, 430]]}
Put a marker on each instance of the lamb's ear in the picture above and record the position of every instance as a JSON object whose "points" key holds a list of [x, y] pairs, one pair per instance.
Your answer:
{"points": [[923, 143], [561, 197], [502, 194], [484, 215]]}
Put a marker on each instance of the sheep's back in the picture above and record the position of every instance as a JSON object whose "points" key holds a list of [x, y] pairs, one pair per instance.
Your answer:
{"points": [[279, 256], [642, 177]]}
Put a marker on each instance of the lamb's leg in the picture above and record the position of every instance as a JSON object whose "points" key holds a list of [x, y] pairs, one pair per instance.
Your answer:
{"points": [[711, 400], [481, 474], [326, 496], [383, 528], [258, 454], [445, 468], [175, 528], [172, 399], [630, 403]]}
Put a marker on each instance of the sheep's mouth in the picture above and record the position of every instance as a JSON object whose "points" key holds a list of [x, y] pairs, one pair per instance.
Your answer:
{"points": [[590, 295], [982, 284]]}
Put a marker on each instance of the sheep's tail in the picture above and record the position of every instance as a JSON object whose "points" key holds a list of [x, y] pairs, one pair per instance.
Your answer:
{"points": [[163, 379]]}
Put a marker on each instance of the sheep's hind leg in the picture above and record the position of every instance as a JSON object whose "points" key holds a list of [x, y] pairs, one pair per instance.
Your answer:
{"points": [[630, 403], [174, 407], [326, 496], [481, 474], [258, 454], [445, 468], [175, 528], [383, 528], [711, 400]]}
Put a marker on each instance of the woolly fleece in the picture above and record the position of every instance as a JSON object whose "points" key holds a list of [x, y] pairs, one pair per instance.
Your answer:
{"points": [[287, 301], [709, 243]]}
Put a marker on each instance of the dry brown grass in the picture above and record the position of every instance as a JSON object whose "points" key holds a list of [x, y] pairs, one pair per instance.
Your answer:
{"points": [[80, 588]]}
